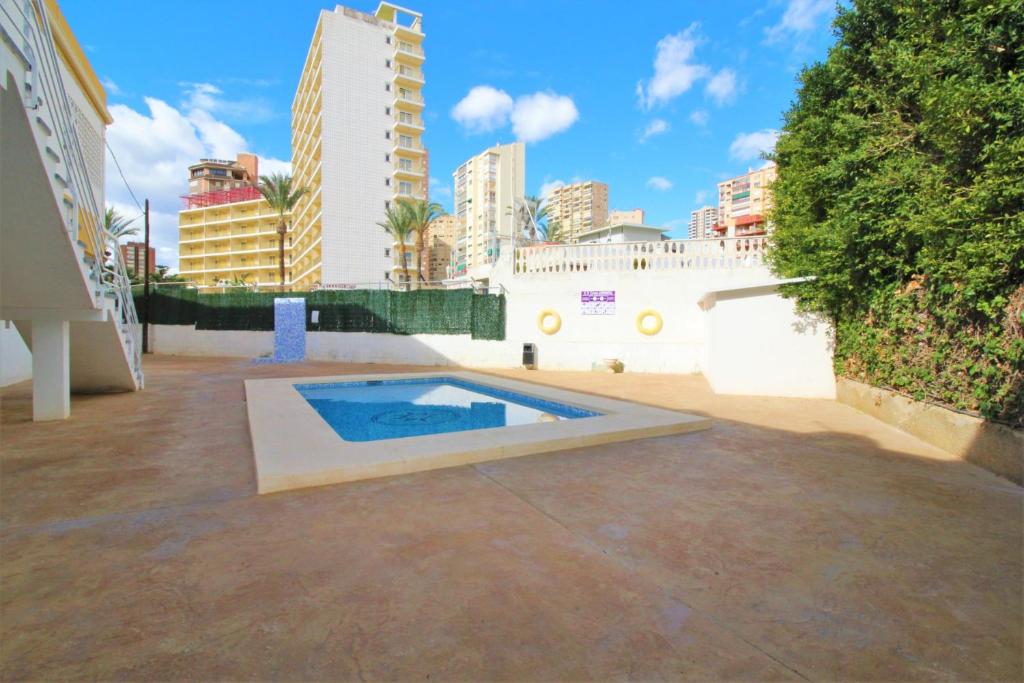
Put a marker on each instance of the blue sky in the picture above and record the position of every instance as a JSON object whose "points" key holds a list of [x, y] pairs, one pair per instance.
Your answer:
{"points": [[582, 82]]}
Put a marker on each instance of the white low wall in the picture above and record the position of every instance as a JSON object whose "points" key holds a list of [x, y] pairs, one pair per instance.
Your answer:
{"points": [[750, 341], [756, 344], [344, 347], [15, 357]]}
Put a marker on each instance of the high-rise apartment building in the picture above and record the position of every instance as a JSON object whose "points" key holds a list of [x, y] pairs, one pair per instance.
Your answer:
{"points": [[228, 234], [486, 188], [743, 203], [356, 143], [211, 175], [135, 258], [702, 223], [630, 216], [579, 208], [441, 238]]}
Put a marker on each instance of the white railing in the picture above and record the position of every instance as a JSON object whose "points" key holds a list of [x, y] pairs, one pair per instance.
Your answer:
{"points": [[641, 257], [26, 26]]}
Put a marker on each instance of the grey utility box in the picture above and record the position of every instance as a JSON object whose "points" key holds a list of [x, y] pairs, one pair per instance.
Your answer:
{"points": [[530, 356]]}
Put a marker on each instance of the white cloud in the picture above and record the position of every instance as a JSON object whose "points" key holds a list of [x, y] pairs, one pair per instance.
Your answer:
{"points": [[483, 109], [699, 117], [155, 149], [655, 127], [550, 186], [440, 189], [111, 87], [543, 114], [209, 98], [270, 166], [674, 70], [748, 146], [722, 87], [533, 117], [659, 183], [701, 197], [801, 16]]}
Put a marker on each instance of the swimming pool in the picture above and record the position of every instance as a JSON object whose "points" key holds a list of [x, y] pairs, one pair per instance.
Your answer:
{"points": [[373, 410], [310, 431]]}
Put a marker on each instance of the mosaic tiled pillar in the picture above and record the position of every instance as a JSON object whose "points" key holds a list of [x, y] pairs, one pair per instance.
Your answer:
{"points": [[289, 330]]}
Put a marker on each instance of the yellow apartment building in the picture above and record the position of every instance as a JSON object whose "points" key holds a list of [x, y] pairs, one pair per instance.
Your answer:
{"points": [[229, 237], [630, 216], [441, 239], [578, 208], [486, 189], [357, 127], [743, 203]]}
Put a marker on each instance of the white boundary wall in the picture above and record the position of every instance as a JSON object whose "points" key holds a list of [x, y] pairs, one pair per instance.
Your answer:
{"points": [[721, 312], [15, 358]]}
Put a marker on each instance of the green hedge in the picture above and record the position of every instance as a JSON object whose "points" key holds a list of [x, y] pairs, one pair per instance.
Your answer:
{"points": [[457, 311]]}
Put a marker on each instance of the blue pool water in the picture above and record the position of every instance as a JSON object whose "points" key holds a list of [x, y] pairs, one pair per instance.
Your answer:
{"points": [[398, 408]]}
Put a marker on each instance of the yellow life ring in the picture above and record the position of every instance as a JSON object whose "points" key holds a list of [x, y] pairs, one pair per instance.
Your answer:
{"points": [[549, 327], [644, 315]]}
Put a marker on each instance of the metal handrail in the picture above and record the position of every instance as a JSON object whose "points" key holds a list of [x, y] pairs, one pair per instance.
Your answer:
{"points": [[48, 91]]}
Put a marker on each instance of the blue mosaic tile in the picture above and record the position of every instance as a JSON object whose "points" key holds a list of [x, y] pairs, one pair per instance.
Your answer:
{"points": [[289, 330]]}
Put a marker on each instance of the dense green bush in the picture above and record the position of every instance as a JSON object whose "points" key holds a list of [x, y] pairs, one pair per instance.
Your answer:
{"points": [[419, 312], [901, 188]]}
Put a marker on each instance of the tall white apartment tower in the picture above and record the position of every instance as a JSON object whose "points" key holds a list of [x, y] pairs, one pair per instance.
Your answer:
{"points": [[356, 143], [486, 187], [701, 222]]}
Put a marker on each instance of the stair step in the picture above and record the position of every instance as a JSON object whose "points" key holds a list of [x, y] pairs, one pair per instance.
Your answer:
{"points": [[52, 153], [45, 128], [68, 198], [60, 179]]}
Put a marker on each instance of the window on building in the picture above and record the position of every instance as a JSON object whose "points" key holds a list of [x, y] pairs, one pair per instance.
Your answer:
{"points": [[387, 111], [387, 87], [387, 252], [387, 63], [387, 182], [405, 187], [387, 158], [387, 135], [387, 204], [387, 40]]}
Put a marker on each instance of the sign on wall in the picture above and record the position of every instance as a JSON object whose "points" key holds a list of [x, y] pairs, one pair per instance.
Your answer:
{"points": [[597, 302]]}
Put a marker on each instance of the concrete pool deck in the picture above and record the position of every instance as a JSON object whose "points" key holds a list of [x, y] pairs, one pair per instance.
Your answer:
{"points": [[797, 539], [294, 447]]}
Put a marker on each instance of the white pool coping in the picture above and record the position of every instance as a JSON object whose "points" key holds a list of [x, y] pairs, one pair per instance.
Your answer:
{"points": [[295, 448]]}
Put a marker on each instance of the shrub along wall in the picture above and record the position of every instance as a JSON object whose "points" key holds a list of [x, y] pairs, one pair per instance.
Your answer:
{"points": [[457, 311]]}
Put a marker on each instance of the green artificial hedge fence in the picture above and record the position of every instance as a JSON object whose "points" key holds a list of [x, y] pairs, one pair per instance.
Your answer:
{"points": [[458, 311]]}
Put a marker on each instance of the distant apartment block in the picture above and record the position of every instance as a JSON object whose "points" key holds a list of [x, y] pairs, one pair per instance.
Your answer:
{"points": [[702, 223], [630, 216], [578, 208], [229, 235], [357, 145], [134, 255], [210, 175], [486, 187], [441, 238], [743, 203]]}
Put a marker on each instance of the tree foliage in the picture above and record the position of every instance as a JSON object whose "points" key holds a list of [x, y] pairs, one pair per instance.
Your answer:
{"points": [[901, 188]]}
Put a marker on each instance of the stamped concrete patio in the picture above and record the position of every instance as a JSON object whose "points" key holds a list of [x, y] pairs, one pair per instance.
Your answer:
{"points": [[796, 539]]}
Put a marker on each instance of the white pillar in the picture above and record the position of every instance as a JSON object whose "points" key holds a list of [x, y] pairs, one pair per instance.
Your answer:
{"points": [[51, 370]]}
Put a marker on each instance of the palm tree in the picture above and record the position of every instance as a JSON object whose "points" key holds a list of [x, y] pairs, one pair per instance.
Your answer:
{"points": [[530, 214], [398, 222], [117, 226], [552, 232], [277, 190], [421, 214]]}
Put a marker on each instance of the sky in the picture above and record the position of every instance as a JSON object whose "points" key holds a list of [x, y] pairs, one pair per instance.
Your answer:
{"points": [[661, 101]]}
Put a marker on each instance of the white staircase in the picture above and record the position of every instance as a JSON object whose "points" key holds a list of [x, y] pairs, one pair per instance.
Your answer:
{"points": [[61, 274]]}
